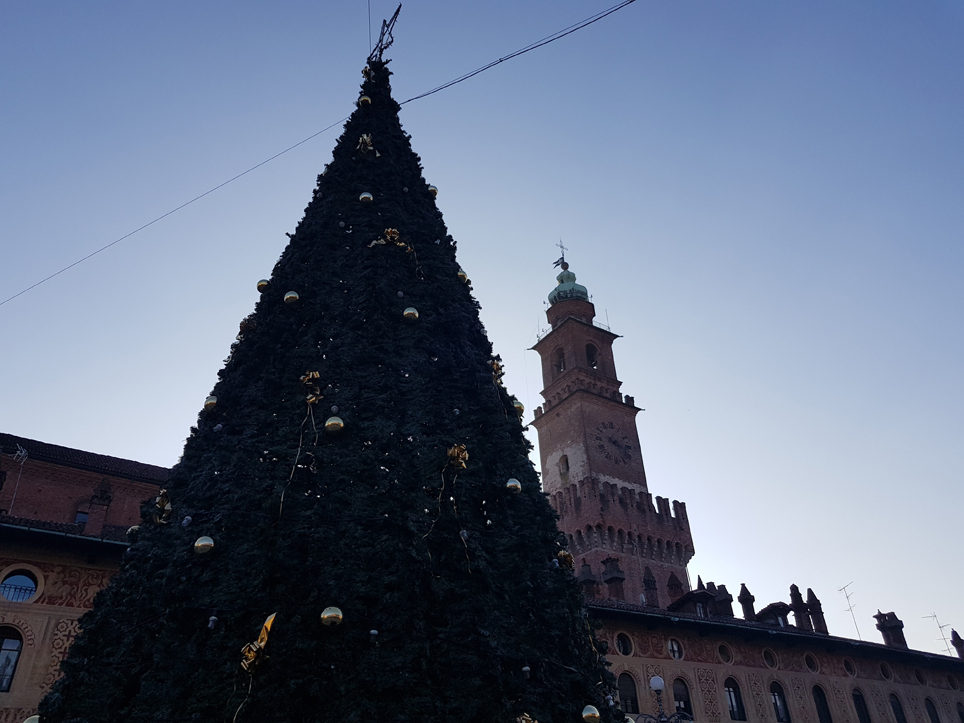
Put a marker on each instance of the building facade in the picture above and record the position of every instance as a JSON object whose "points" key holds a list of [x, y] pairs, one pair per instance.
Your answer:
{"points": [[778, 664], [64, 515]]}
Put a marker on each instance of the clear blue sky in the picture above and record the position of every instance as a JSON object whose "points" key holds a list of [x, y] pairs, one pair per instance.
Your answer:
{"points": [[766, 198]]}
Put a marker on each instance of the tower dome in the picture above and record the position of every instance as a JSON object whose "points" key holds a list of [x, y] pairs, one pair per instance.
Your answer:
{"points": [[568, 289]]}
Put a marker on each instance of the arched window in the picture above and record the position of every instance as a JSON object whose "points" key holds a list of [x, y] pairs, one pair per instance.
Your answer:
{"points": [[779, 700], [860, 705], [734, 699], [558, 361], [626, 686], [823, 708], [931, 711], [592, 356], [681, 696], [10, 644], [898, 709]]}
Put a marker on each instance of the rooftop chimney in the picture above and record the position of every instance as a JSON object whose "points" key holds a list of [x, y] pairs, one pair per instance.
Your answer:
{"points": [[957, 643], [801, 613], [746, 601], [891, 628], [816, 613]]}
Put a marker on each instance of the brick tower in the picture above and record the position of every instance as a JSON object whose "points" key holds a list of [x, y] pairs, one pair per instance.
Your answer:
{"points": [[592, 465]]}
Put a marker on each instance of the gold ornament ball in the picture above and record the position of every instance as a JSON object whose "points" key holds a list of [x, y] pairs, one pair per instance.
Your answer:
{"points": [[518, 406], [513, 485], [331, 616], [366, 197], [334, 425], [203, 545], [291, 297], [364, 100], [590, 714], [462, 275], [411, 313], [210, 402], [33, 719], [263, 285], [433, 190]]}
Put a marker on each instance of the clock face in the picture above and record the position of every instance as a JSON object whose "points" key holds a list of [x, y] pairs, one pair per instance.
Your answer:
{"points": [[613, 443]]}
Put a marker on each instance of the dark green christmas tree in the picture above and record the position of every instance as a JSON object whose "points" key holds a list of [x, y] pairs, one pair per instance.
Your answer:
{"points": [[457, 604]]}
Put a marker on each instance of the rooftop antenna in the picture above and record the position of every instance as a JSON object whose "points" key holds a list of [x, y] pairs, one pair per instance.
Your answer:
{"points": [[385, 38], [850, 606], [947, 645]]}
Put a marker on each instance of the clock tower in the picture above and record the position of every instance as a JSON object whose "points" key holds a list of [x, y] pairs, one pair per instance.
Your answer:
{"points": [[625, 547]]}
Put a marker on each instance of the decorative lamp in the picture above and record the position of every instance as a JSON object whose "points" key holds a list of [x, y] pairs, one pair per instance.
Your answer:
{"points": [[657, 685]]}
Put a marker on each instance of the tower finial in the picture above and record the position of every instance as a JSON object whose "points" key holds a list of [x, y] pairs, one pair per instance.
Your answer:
{"points": [[561, 261]]}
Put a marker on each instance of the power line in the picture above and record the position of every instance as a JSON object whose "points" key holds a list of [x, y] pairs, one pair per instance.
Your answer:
{"points": [[528, 48]]}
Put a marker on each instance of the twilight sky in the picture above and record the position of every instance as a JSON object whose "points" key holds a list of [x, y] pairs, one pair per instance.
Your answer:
{"points": [[765, 199]]}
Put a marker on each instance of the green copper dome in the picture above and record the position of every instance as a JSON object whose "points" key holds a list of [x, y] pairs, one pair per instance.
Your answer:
{"points": [[568, 289]]}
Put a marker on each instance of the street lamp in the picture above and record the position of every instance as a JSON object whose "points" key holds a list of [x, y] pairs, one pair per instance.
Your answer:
{"points": [[657, 685]]}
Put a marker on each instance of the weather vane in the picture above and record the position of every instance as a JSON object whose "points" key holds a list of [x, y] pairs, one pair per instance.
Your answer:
{"points": [[385, 38], [561, 261]]}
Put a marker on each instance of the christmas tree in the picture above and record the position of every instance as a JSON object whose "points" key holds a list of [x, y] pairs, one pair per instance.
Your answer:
{"points": [[360, 475]]}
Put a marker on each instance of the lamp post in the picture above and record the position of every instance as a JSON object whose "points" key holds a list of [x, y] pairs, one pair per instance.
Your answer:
{"points": [[657, 685]]}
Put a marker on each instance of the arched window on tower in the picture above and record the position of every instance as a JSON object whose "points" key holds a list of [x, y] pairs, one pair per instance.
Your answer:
{"points": [[734, 699], [860, 705], [779, 700], [898, 709], [11, 642], [681, 697], [823, 708], [931, 711], [558, 361], [626, 686], [592, 356]]}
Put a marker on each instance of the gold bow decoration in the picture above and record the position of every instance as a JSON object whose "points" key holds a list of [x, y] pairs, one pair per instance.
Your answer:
{"points": [[368, 73], [365, 144], [458, 456], [252, 653], [526, 718], [497, 371], [566, 560], [162, 507], [314, 391], [390, 236]]}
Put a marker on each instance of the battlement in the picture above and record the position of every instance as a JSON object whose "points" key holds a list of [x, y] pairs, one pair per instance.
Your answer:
{"points": [[604, 497]]}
